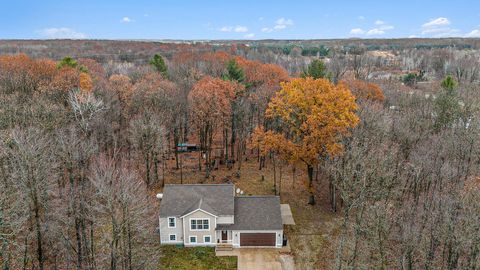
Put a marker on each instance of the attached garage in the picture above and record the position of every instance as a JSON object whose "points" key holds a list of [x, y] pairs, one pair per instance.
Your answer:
{"points": [[257, 239]]}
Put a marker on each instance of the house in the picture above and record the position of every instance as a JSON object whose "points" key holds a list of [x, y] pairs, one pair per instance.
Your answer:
{"points": [[212, 215]]}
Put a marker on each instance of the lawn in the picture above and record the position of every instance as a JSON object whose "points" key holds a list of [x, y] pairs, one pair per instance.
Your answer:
{"points": [[174, 257]]}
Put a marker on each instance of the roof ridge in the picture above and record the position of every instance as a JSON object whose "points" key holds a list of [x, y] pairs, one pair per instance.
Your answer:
{"points": [[200, 203]]}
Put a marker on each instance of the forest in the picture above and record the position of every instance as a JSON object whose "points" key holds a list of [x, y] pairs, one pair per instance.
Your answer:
{"points": [[373, 143]]}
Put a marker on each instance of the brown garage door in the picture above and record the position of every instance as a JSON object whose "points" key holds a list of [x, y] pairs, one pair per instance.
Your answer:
{"points": [[257, 239]]}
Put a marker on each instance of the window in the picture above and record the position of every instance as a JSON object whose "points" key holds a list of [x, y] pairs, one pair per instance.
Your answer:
{"points": [[207, 239], [171, 222], [193, 239], [199, 224], [172, 237]]}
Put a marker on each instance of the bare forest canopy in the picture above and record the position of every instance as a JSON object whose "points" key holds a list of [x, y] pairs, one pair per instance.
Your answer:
{"points": [[383, 134], [105, 50]]}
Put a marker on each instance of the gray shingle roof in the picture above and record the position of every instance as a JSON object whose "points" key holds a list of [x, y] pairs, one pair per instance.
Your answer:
{"points": [[179, 200], [256, 213]]}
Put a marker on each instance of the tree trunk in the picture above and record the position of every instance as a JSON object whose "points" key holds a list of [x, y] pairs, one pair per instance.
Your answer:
{"points": [[232, 140], [79, 243], [39, 236], [274, 174], [225, 137], [155, 167], [311, 199]]}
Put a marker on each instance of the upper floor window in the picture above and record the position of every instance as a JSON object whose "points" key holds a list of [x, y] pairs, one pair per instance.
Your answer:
{"points": [[171, 222], [199, 224]]}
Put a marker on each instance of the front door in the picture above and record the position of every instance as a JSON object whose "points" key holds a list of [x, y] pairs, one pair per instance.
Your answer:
{"points": [[224, 236]]}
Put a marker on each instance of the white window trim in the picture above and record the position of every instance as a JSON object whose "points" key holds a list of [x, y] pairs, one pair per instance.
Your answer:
{"points": [[174, 221], [205, 242], [199, 230], [170, 240], [190, 239]]}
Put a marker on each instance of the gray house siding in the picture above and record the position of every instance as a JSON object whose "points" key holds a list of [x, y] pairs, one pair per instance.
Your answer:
{"points": [[199, 234], [225, 220], [165, 231]]}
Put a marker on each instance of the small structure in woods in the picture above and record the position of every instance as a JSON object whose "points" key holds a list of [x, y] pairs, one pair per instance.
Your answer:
{"points": [[187, 147]]}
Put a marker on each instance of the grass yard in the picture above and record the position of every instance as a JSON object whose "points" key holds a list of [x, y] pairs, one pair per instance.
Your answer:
{"points": [[199, 258]]}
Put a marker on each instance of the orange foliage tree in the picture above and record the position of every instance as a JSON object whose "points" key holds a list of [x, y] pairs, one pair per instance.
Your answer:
{"points": [[24, 74], [312, 116], [365, 90], [210, 106], [262, 81]]}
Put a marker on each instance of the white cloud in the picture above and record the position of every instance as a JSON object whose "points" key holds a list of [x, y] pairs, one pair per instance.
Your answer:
{"points": [[439, 27], [283, 21], [474, 33], [280, 24], [412, 36], [266, 29], [279, 27], [375, 31], [127, 20], [260, 18], [357, 31], [251, 35], [146, 15], [380, 28], [386, 27], [240, 29], [440, 21], [226, 29], [361, 18], [61, 33]]}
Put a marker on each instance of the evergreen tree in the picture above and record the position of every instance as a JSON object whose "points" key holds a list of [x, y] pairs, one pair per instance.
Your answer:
{"points": [[159, 64], [317, 69], [68, 62], [234, 72], [447, 104]]}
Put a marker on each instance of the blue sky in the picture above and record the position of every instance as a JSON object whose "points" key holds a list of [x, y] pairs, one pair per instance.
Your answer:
{"points": [[241, 19]]}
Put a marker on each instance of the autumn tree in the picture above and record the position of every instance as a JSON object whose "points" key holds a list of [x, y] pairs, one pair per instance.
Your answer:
{"points": [[22, 74], [122, 204], [270, 143], [236, 74], [33, 164], [154, 111], [313, 116], [365, 91], [209, 109]]}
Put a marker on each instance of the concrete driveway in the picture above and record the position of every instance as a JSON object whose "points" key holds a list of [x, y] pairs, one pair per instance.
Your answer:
{"points": [[260, 258]]}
